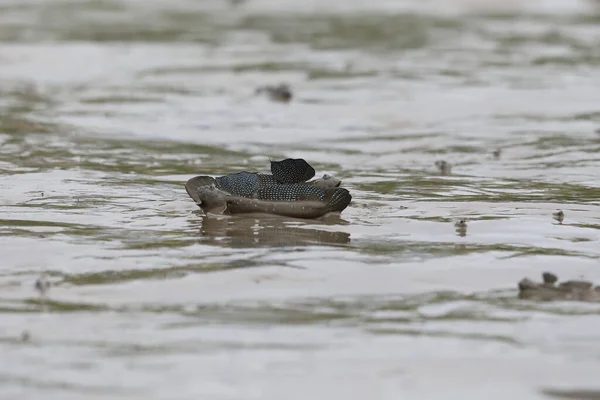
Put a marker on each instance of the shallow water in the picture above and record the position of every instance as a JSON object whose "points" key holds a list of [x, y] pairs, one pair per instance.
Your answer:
{"points": [[108, 107]]}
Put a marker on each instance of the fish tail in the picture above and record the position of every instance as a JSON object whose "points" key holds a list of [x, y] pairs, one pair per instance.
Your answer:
{"points": [[337, 199]]}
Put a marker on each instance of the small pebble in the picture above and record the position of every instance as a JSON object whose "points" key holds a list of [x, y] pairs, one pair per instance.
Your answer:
{"points": [[444, 167], [461, 223], [42, 285], [25, 336], [281, 93], [549, 277], [559, 216], [497, 153], [461, 227]]}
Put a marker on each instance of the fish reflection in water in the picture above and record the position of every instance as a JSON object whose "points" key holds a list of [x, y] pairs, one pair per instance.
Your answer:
{"points": [[248, 231]]}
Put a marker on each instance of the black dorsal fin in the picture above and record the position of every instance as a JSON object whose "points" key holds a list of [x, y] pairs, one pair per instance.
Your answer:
{"points": [[292, 170]]}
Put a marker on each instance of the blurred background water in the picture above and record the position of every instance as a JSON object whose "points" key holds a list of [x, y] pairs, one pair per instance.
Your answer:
{"points": [[108, 106]]}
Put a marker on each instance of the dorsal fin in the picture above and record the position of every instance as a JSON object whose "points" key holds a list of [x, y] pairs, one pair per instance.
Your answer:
{"points": [[292, 170]]}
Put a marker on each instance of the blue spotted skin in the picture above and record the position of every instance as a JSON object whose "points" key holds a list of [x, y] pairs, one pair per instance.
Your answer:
{"points": [[293, 192], [243, 184], [337, 199]]}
